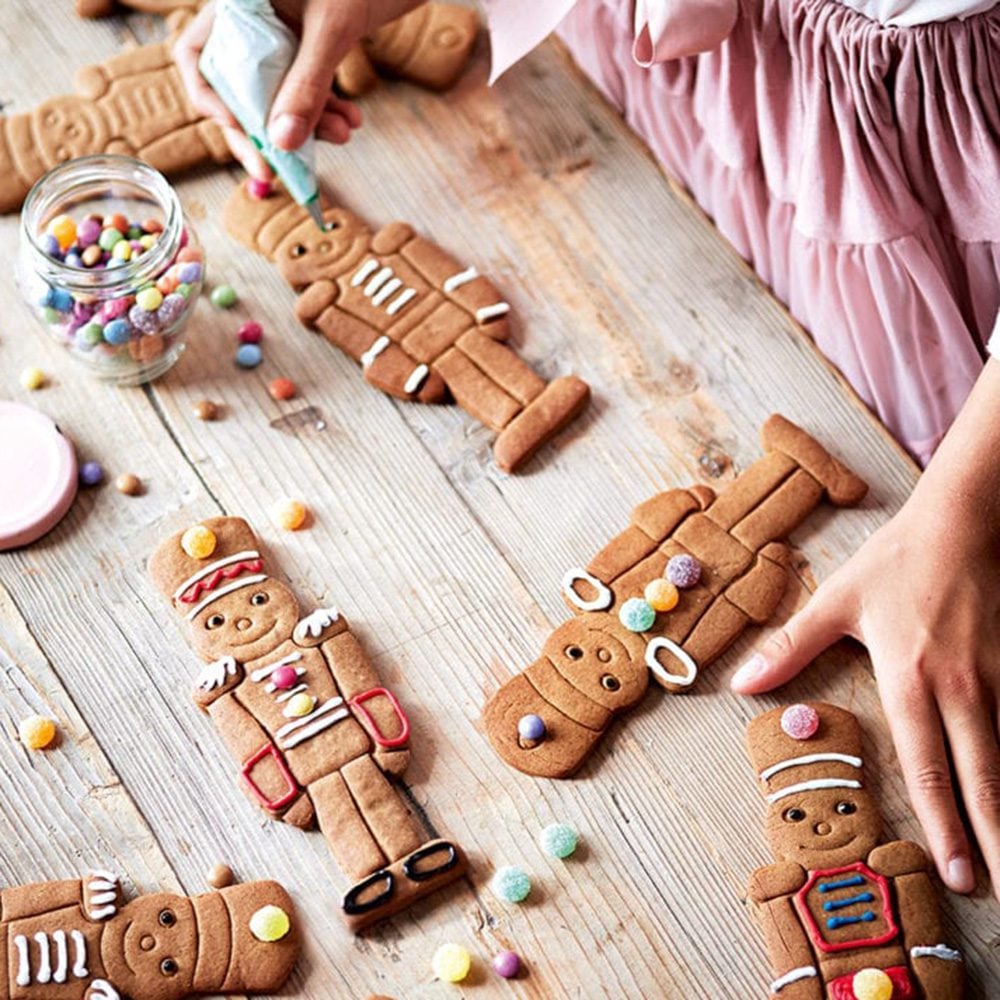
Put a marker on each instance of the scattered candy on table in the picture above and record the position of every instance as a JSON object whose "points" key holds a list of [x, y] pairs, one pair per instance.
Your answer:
{"points": [[248, 355], [637, 615], [250, 332], [511, 884], [91, 473], [37, 732], [205, 409], [559, 840], [289, 514], [129, 484], [801, 722], [661, 595], [451, 963], [506, 964], [531, 727], [220, 876], [32, 378], [270, 923], [198, 541], [224, 296], [282, 388], [683, 571]]}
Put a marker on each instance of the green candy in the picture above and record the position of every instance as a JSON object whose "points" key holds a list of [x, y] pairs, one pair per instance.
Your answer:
{"points": [[89, 336], [184, 290], [108, 239], [224, 296], [559, 840], [637, 615], [511, 884], [52, 316]]}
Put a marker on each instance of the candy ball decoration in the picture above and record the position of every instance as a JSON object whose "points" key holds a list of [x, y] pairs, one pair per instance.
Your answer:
{"points": [[662, 595], [299, 705], [531, 727], [91, 473], [282, 388], [198, 541], [683, 571], [289, 514], [801, 722], [205, 409], [250, 332], [270, 923], [506, 964], [559, 840], [637, 615], [872, 984], [220, 876], [511, 884], [37, 732], [451, 963], [258, 189], [224, 296], [32, 379], [285, 677], [248, 356]]}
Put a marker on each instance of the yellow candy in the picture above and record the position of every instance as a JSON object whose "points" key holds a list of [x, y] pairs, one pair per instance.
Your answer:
{"points": [[122, 250], [270, 923], [289, 514], [32, 378], [198, 542], [451, 963], [299, 705], [872, 984], [63, 228], [147, 241], [37, 732], [662, 595], [149, 299]]}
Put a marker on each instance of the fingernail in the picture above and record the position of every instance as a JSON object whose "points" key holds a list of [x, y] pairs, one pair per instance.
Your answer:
{"points": [[753, 668], [286, 131], [960, 877]]}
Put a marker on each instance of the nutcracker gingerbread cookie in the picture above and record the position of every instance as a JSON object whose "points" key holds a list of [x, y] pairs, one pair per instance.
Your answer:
{"points": [[665, 597], [77, 940], [845, 916], [421, 325], [300, 708]]}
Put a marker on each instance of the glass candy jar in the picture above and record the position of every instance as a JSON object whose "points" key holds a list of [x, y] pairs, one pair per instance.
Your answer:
{"points": [[109, 265]]}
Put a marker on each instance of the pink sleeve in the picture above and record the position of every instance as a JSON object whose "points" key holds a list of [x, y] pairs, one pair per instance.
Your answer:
{"points": [[517, 26]]}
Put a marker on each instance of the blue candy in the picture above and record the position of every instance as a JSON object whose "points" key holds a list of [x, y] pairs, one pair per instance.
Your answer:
{"points": [[248, 355], [118, 332], [51, 246], [61, 300]]}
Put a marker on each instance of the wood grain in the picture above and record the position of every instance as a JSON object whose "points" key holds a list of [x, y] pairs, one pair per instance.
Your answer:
{"points": [[448, 569]]}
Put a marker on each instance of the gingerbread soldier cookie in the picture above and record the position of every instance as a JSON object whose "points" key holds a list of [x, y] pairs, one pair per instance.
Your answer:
{"points": [[421, 325], [77, 940], [845, 916], [300, 707], [665, 597]]}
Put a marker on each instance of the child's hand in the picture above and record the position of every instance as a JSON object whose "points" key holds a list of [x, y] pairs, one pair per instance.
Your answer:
{"points": [[923, 594]]}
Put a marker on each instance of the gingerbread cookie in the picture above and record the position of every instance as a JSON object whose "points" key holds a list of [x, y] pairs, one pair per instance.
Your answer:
{"points": [[135, 104], [845, 916], [299, 705], [77, 940], [665, 597], [430, 46], [421, 325], [101, 8]]}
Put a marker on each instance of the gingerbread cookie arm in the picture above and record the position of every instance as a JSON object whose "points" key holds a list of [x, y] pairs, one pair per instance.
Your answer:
{"points": [[937, 966], [93, 81], [796, 976], [314, 301], [24, 901], [900, 857]]}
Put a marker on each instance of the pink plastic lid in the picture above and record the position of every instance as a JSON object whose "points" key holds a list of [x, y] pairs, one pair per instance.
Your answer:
{"points": [[38, 475]]}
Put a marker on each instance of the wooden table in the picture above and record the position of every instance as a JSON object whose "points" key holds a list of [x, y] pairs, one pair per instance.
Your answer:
{"points": [[448, 569]]}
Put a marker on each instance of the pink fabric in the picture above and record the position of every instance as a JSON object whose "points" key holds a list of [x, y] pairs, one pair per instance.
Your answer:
{"points": [[857, 167], [670, 29]]}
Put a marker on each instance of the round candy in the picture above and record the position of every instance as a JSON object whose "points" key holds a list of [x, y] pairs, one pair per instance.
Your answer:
{"points": [[73, 259], [171, 309], [151, 226], [661, 594], [289, 514], [189, 273], [118, 332], [220, 876], [143, 320], [248, 356], [122, 250], [91, 256], [88, 232], [61, 300], [187, 254], [118, 222], [129, 484], [506, 964], [683, 571], [205, 409], [258, 189], [36, 732], [637, 615], [115, 308], [50, 246], [198, 541], [451, 963], [149, 299], [282, 388], [32, 378], [270, 923], [89, 336], [108, 239], [531, 727], [184, 290], [801, 722], [250, 332], [559, 840], [91, 473], [299, 704], [63, 228], [872, 984], [224, 296], [511, 884], [285, 677]]}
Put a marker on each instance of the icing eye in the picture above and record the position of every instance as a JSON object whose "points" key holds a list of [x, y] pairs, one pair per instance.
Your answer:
{"points": [[168, 967], [574, 652], [167, 918], [846, 808], [259, 598], [215, 621], [298, 250], [794, 815], [610, 683]]}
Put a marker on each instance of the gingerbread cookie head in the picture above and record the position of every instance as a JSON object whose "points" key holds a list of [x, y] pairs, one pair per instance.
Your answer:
{"points": [[67, 127], [215, 577], [808, 760]]}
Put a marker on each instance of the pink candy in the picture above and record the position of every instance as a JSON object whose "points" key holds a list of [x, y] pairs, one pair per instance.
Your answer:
{"points": [[284, 677], [801, 722], [250, 332], [259, 189]]}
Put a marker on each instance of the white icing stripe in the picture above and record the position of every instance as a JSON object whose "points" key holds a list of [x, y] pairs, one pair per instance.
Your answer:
{"points": [[417, 378], [368, 358], [941, 951], [462, 278], [486, 313], [103, 913], [102, 885], [107, 876], [687, 661], [809, 758], [809, 786], [208, 571], [44, 973], [100, 898], [362, 273], [399, 301], [599, 603], [23, 966], [327, 706], [62, 957], [291, 692], [262, 673], [380, 278], [317, 727], [803, 972], [247, 581], [80, 970], [391, 286]]}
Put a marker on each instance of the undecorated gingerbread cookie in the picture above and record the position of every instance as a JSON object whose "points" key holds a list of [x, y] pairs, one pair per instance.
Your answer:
{"points": [[844, 915], [664, 598]]}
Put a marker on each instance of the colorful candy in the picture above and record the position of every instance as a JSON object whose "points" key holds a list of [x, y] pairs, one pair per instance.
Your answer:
{"points": [[248, 355], [149, 298], [205, 409], [198, 541], [511, 884], [298, 705], [91, 473], [270, 923], [220, 875], [32, 378], [872, 984], [637, 615], [559, 840], [285, 677], [661, 595], [282, 388], [36, 732], [506, 964], [289, 514], [63, 228], [258, 189], [250, 332], [801, 722], [451, 963], [129, 484], [224, 296], [531, 727], [683, 571]]}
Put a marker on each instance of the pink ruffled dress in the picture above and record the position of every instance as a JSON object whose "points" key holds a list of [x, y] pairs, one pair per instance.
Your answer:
{"points": [[852, 156]]}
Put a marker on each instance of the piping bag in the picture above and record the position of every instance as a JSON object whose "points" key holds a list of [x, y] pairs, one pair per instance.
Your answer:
{"points": [[247, 54]]}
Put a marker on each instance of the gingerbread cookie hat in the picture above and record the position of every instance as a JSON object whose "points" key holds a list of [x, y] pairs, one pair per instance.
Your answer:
{"points": [[300, 707], [664, 598], [422, 326], [77, 940], [844, 917]]}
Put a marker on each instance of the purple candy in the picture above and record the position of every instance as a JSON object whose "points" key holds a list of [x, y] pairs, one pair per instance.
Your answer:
{"points": [[88, 232], [531, 727], [83, 310], [145, 322], [683, 571], [91, 473], [189, 273], [170, 309], [51, 245], [506, 964]]}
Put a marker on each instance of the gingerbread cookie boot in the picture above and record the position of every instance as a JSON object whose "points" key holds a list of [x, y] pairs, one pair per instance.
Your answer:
{"points": [[420, 324], [727, 557], [77, 940], [301, 709], [845, 917]]}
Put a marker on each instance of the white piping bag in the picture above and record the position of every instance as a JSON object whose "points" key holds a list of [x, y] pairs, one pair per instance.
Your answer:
{"points": [[244, 60]]}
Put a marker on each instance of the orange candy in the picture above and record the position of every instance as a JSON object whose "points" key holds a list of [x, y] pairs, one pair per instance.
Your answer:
{"points": [[116, 221], [282, 388], [189, 254], [167, 284]]}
